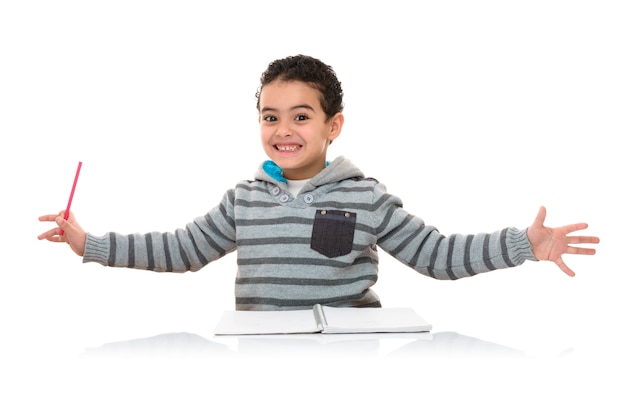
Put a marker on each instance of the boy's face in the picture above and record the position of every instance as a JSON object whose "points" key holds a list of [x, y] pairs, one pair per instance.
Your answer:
{"points": [[294, 130]]}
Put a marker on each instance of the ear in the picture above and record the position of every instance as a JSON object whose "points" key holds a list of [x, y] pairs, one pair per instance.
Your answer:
{"points": [[335, 125]]}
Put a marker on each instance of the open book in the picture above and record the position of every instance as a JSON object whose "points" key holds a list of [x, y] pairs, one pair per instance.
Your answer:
{"points": [[321, 319]]}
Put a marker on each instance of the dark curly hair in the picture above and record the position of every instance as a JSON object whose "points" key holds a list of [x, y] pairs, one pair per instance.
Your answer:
{"points": [[309, 70]]}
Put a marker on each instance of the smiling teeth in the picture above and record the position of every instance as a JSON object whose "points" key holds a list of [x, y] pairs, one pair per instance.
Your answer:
{"points": [[287, 147]]}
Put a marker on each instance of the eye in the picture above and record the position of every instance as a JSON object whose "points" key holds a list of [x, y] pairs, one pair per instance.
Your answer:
{"points": [[269, 118], [301, 117]]}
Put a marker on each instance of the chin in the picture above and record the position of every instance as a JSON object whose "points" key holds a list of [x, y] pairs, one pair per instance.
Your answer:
{"points": [[286, 162]]}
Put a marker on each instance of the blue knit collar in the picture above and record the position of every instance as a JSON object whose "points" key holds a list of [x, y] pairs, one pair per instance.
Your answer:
{"points": [[275, 172]]}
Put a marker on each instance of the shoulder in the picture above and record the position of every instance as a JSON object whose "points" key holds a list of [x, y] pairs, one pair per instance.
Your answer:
{"points": [[365, 184], [251, 185], [253, 189], [366, 191]]}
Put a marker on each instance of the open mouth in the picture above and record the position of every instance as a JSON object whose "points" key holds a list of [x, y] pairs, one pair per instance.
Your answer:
{"points": [[287, 148]]}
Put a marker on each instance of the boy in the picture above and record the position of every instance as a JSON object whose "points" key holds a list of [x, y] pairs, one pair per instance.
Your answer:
{"points": [[306, 231]]}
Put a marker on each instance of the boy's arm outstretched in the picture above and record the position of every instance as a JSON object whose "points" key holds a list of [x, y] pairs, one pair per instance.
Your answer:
{"points": [[423, 248], [551, 243], [201, 241]]}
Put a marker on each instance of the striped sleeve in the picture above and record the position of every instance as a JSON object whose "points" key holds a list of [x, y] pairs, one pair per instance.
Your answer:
{"points": [[206, 239], [423, 248]]}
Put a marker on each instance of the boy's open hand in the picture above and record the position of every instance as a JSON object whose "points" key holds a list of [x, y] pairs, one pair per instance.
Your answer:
{"points": [[551, 243], [73, 234]]}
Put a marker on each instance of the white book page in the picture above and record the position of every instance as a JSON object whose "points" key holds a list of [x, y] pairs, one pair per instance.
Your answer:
{"points": [[350, 320], [266, 322]]}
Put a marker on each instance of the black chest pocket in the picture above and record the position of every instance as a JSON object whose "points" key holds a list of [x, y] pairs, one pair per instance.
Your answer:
{"points": [[333, 232]]}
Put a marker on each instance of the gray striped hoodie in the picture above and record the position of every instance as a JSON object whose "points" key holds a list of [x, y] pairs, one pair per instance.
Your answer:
{"points": [[317, 247]]}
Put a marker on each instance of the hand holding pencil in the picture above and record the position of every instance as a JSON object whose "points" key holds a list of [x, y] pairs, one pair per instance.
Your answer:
{"points": [[68, 230]]}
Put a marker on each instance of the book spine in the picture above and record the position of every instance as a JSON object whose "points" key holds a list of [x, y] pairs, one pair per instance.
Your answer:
{"points": [[320, 318]]}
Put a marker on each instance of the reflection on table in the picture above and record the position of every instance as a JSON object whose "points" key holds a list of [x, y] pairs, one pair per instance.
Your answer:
{"points": [[425, 344]]}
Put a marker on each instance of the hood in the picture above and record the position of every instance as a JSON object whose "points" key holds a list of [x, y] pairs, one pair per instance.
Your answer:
{"points": [[339, 169]]}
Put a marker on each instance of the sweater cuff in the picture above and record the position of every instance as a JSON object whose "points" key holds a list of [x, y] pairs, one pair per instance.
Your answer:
{"points": [[97, 249], [522, 250]]}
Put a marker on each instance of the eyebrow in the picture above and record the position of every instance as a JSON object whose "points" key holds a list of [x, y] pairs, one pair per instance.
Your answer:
{"points": [[300, 106]]}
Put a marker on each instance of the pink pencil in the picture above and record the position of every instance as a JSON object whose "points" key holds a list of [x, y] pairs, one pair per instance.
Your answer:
{"points": [[69, 202]]}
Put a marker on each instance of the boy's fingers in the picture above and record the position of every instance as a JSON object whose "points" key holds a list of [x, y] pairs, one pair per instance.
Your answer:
{"points": [[580, 250], [48, 234], [51, 217], [559, 262], [52, 235]]}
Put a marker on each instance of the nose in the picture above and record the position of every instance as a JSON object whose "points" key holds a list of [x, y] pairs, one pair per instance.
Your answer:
{"points": [[284, 129]]}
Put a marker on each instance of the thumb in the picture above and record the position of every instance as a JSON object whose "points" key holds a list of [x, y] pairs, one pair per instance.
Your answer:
{"points": [[541, 216], [74, 235], [62, 223]]}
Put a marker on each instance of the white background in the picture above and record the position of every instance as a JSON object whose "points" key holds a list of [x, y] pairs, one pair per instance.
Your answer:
{"points": [[474, 112]]}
